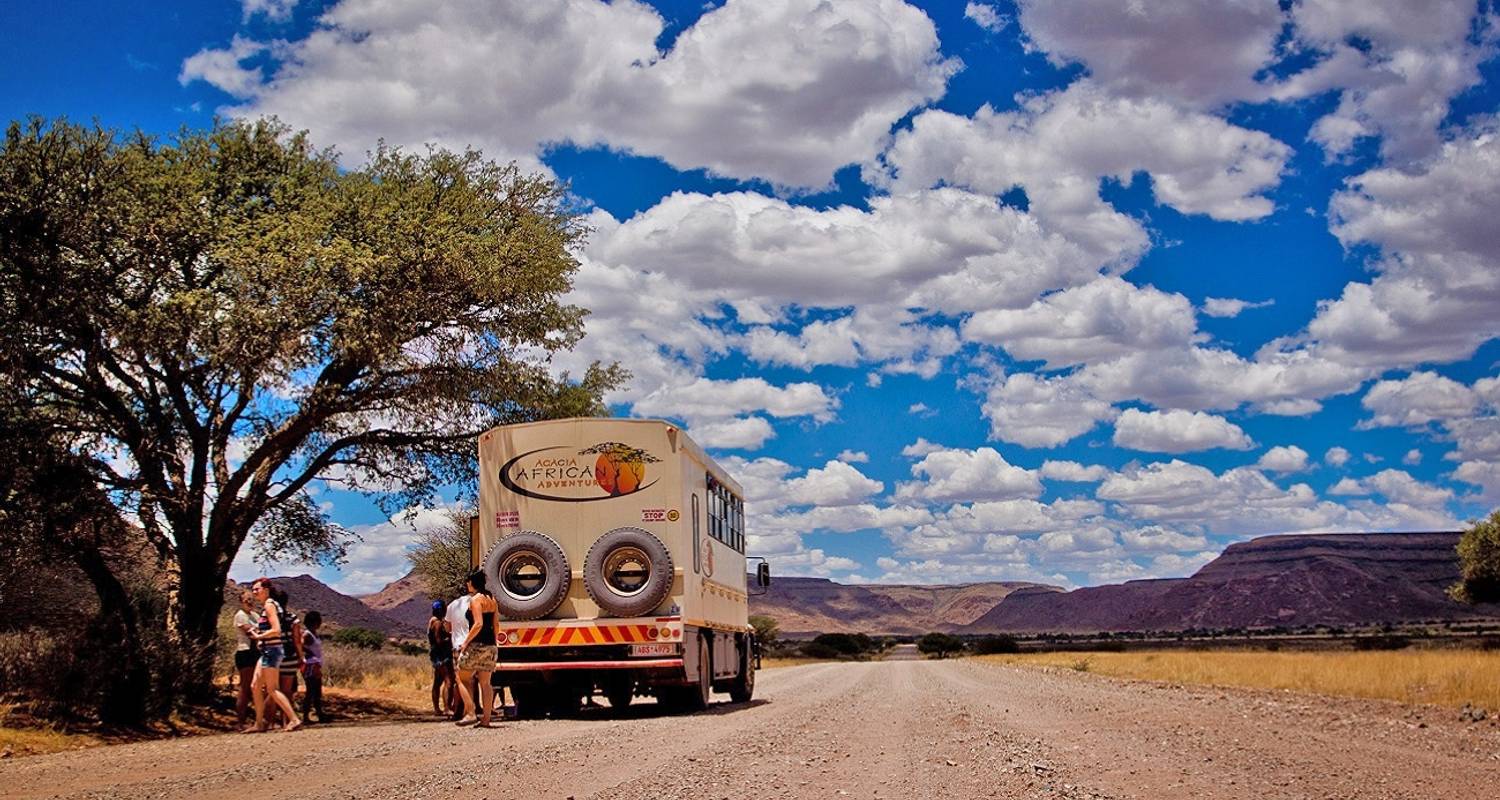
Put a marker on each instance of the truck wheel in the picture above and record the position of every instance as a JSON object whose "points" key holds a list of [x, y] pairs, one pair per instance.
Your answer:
{"points": [[744, 683], [563, 703], [528, 700], [628, 572], [528, 575], [619, 693], [698, 696]]}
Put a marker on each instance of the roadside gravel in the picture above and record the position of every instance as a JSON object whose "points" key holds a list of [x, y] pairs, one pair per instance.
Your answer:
{"points": [[871, 730]]}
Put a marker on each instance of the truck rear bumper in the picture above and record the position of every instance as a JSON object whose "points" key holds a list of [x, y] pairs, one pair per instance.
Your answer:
{"points": [[538, 666]]}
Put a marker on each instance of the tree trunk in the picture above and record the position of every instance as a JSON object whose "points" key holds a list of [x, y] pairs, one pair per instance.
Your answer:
{"points": [[128, 682], [195, 625]]}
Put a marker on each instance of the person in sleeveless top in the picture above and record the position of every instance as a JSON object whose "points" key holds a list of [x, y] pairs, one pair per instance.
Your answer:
{"points": [[267, 672], [477, 656], [440, 653], [292, 642]]}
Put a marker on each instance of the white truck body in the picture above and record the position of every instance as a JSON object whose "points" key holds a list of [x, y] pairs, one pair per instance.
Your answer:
{"points": [[574, 481]]}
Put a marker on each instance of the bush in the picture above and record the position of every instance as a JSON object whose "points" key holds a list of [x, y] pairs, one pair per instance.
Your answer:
{"points": [[816, 649], [1479, 563], [991, 645], [767, 631], [360, 667], [940, 645], [844, 644], [363, 638], [1382, 643], [83, 672]]}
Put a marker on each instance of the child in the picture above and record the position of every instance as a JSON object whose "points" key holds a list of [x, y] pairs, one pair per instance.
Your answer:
{"points": [[312, 666]]}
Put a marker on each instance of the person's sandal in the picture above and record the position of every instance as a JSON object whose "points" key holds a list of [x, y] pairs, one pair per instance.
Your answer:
{"points": [[467, 721]]}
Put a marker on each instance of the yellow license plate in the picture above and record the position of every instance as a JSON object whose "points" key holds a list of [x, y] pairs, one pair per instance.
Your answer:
{"points": [[653, 649]]}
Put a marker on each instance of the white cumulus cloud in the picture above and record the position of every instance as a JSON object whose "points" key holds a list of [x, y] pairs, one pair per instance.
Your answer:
{"points": [[1177, 431], [785, 90]]}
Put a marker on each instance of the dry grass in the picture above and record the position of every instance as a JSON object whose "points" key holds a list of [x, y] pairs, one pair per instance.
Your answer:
{"points": [[404, 679], [1440, 677], [793, 661], [30, 737], [407, 680]]}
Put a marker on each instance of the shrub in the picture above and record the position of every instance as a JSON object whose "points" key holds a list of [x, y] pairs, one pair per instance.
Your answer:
{"points": [[360, 637], [1479, 563], [844, 644], [83, 672], [816, 649], [767, 631], [1382, 643], [991, 645], [361, 669], [940, 645]]}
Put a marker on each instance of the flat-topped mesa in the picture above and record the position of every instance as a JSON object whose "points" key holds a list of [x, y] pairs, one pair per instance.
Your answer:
{"points": [[1347, 579], [1427, 555]]}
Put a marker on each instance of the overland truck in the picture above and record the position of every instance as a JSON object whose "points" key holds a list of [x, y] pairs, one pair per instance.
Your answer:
{"points": [[615, 549]]}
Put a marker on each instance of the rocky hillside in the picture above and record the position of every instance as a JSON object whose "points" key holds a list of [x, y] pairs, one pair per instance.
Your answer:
{"points": [[1332, 579], [339, 610], [404, 599], [805, 606]]}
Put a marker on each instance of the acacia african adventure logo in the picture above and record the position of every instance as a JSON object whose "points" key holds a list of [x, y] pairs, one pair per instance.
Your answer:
{"points": [[617, 470]]}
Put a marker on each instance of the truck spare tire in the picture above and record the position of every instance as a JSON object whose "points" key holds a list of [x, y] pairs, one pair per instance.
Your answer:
{"points": [[628, 572], [528, 574]]}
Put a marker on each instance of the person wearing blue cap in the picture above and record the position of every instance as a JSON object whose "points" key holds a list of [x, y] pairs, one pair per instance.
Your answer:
{"points": [[440, 652]]}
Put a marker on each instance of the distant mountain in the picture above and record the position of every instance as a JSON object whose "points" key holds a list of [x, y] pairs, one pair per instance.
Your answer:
{"points": [[806, 606], [306, 593], [404, 599], [1345, 579]]}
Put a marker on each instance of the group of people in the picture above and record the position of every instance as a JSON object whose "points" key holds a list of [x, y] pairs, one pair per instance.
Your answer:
{"points": [[274, 646], [461, 644]]}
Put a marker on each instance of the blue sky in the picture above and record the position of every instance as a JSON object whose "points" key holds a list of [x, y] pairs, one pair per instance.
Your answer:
{"points": [[1068, 291]]}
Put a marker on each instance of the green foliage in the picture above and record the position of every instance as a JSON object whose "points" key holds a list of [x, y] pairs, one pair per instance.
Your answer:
{"points": [[440, 557], [991, 645], [1479, 563], [939, 645], [820, 650], [845, 644], [359, 637], [243, 317], [841, 645], [767, 630]]}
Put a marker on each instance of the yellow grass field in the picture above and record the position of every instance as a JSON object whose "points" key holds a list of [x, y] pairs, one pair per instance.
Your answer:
{"points": [[407, 680], [30, 739], [1439, 677]]}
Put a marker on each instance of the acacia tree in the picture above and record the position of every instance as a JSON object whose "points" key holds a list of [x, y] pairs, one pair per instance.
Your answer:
{"points": [[220, 320], [440, 557], [939, 645], [1479, 563]]}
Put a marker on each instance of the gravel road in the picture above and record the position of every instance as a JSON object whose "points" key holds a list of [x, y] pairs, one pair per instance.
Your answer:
{"points": [[870, 730]]}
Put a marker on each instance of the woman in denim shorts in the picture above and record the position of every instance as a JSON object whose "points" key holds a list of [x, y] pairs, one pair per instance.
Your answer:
{"points": [[268, 671]]}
